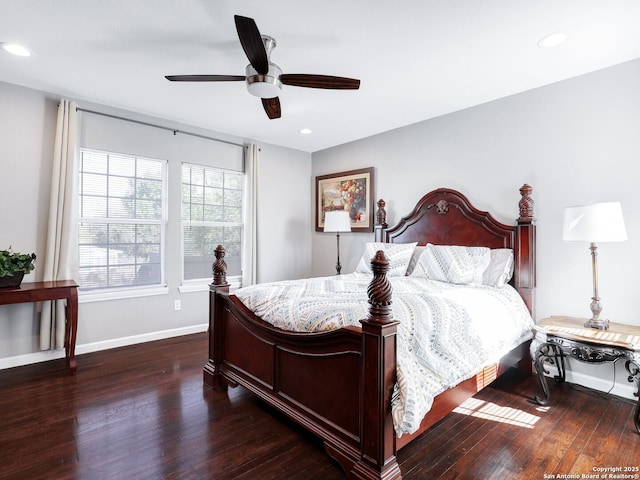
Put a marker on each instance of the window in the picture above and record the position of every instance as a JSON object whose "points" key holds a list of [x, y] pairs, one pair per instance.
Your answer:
{"points": [[122, 210], [212, 215]]}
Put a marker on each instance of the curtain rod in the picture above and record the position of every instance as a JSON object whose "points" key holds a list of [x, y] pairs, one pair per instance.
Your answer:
{"points": [[162, 127]]}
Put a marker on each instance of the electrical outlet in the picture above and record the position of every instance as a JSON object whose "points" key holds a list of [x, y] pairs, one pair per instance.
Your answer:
{"points": [[177, 305]]}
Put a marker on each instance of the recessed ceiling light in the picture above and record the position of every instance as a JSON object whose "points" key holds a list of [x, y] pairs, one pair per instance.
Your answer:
{"points": [[305, 131], [16, 49], [553, 40]]}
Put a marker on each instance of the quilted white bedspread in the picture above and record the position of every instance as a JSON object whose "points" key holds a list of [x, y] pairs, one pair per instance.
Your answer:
{"points": [[446, 334]]}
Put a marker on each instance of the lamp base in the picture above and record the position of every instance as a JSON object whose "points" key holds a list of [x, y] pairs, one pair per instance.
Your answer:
{"points": [[597, 323]]}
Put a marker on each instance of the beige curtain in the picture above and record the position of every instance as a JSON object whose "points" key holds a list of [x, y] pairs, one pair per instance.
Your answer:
{"points": [[250, 253], [61, 256]]}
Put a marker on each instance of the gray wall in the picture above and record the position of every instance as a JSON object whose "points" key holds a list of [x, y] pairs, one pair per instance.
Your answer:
{"points": [[574, 142], [27, 123], [27, 130]]}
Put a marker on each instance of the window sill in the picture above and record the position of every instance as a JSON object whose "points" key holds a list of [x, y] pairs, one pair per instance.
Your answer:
{"points": [[193, 287], [201, 286], [87, 297]]}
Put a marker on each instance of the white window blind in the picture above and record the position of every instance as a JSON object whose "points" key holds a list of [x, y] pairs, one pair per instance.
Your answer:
{"points": [[122, 208], [212, 215]]}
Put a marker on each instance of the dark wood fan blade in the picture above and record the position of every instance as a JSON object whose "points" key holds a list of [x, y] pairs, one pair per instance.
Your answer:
{"points": [[205, 78], [251, 42], [272, 107], [320, 81]]}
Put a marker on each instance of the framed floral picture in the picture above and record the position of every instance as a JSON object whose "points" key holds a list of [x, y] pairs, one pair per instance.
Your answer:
{"points": [[351, 191]]}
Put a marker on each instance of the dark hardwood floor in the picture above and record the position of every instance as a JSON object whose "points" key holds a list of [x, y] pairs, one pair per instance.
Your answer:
{"points": [[142, 412]]}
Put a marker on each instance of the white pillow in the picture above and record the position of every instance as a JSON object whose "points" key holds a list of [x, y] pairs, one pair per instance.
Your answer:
{"points": [[453, 264], [398, 255], [500, 269]]}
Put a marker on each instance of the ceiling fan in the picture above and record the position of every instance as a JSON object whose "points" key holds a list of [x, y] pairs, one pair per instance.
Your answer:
{"points": [[265, 79]]}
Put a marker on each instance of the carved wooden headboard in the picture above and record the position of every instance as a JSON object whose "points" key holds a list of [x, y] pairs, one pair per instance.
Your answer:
{"points": [[446, 217]]}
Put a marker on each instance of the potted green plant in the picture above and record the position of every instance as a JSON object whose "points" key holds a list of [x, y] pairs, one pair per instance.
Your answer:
{"points": [[14, 266]]}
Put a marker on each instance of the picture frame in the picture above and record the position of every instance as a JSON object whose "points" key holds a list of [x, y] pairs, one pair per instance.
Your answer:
{"points": [[352, 191]]}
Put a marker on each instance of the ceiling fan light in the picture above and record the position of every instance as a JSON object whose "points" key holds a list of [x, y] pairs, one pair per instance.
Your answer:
{"points": [[264, 86]]}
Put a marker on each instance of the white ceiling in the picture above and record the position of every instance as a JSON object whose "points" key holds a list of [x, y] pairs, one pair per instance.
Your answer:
{"points": [[416, 59]]}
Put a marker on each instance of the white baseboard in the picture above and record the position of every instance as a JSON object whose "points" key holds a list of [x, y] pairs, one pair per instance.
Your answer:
{"points": [[621, 388], [44, 356]]}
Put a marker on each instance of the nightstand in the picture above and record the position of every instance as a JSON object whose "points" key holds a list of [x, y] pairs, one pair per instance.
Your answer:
{"points": [[560, 337]]}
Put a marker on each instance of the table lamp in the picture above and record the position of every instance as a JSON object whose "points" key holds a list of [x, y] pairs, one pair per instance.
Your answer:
{"points": [[337, 221], [594, 223]]}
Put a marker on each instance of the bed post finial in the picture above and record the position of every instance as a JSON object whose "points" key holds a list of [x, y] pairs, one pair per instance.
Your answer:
{"points": [[219, 267], [526, 204], [381, 213], [379, 290], [381, 221]]}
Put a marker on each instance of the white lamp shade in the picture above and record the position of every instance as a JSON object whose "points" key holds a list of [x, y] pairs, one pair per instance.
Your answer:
{"points": [[337, 221], [596, 222]]}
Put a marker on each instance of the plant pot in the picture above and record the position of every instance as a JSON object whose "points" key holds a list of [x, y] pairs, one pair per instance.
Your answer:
{"points": [[13, 281]]}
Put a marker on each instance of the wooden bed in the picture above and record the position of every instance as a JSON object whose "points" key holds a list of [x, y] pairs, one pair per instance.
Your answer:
{"points": [[338, 384]]}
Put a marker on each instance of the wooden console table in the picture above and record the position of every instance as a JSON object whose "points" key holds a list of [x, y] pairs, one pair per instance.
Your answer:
{"points": [[560, 337], [54, 290]]}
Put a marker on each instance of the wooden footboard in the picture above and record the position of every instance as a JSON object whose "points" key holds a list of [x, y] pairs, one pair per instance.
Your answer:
{"points": [[291, 371]]}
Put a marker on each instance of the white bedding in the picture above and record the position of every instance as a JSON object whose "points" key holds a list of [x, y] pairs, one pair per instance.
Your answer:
{"points": [[446, 334]]}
